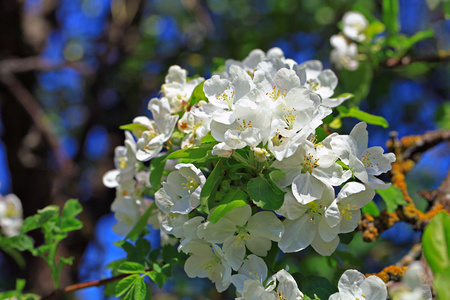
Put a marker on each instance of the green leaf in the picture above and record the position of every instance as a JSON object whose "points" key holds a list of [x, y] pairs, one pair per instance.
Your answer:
{"points": [[393, 197], [211, 185], [72, 208], [436, 243], [20, 284], [208, 139], [372, 209], [312, 285], [15, 254], [140, 290], [30, 223], [156, 171], [443, 115], [66, 260], [125, 284], [157, 276], [390, 15], [321, 134], [357, 82], [197, 152], [169, 253], [223, 209], [21, 242], [141, 223], [271, 256], [375, 28], [346, 238], [218, 65], [265, 193], [136, 128], [441, 284], [71, 225], [349, 258], [366, 117], [130, 267], [197, 94], [446, 7]]}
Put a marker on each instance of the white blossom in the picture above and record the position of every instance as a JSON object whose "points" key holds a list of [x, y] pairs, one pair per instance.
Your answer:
{"points": [[207, 261], [181, 192], [344, 55], [11, 215], [354, 25], [125, 163], [365, 163], [178, 89], [309, 171], [239, 229], [156, 131], [412, 286], [353, 285]]}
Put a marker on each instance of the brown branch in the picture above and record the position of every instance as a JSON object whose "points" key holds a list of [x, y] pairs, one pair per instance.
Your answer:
{"points": [[36, 63], [26, 99], [83, 285], [408, 150], [406, 60]]}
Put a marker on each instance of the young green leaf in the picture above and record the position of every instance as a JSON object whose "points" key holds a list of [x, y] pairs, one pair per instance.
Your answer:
{"points": [[211, 185], [197, 94], [393, 197], [265, 193], [372, 209], [197, 152], [223, 209], [368, 118], [390, 15], [126, 284], [130, 267], [436, 243], [156, 170]]}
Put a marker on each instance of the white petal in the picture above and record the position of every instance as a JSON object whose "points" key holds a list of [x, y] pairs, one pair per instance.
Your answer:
{"points": [[324, 248], [258, 245], [298, 234], [374, 288], [234, 252], [326, 232], [307, 188], [266, 224]]}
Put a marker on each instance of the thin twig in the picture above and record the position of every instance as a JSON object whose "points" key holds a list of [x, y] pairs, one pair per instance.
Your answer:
{"points": [[26, 99], [83, 285]]}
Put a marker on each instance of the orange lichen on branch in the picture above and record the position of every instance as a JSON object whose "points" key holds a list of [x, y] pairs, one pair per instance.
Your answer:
{"points": [[373, 227], [389, 273]]}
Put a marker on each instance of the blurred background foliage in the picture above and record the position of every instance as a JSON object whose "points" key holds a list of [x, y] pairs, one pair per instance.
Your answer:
{"points": [[73, 71]]}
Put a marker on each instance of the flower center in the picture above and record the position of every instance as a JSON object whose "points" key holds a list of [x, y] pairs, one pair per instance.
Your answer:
{"points": [[210, 264], [278, 139], [227, 97], [190, 184], [314, 85], [11, 210], [309, 163], [122, 163], [276, 94], [289, 119], [244, 125], [346, 212], [315, 211], [367, 160], [280, 295]]}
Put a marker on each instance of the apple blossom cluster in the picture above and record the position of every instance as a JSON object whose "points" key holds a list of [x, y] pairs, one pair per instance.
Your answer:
{"points": [[345, 50], [241, 162], [11, 215]]}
